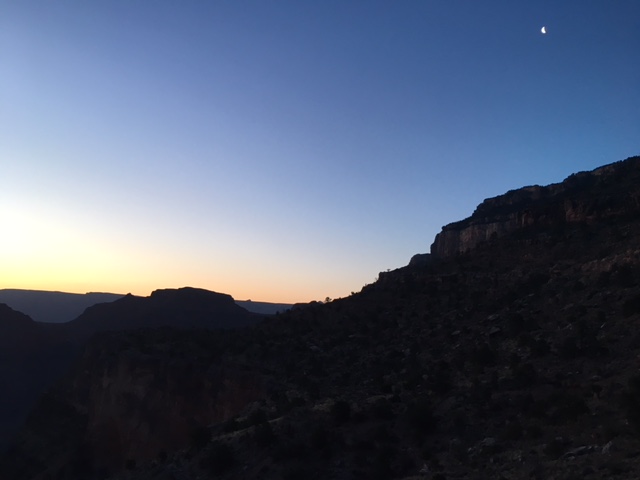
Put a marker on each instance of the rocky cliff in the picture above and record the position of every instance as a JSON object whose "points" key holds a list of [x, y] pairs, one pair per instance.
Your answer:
{"points": [[31, 357], [131, 398], [33, 354], [585, 197]]}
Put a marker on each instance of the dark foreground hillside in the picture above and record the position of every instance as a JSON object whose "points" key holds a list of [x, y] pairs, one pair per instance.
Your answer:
{"points": [[511, 352]]}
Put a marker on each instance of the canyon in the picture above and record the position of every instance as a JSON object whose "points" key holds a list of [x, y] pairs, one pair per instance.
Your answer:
{"points": [[509, 351]]}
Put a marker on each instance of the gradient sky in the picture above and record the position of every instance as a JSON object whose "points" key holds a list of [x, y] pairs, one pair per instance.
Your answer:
{"points": [[289, 150]]}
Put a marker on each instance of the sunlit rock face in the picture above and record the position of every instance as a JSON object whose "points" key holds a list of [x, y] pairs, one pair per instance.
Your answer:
{"points": [[609, 191]]}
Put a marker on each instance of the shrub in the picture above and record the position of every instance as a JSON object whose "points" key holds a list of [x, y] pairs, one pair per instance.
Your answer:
{"points": [[320, 439], [555, 448], [297, 472], [221, 458], [382, 409], [380, 464], [257, 417], [517, 324], [631, 306], [382, 434], [460, 422], [567, 407], [631, 402], [483, 355], [625, 276], [534, 431], [341, 411], [420, 419], [263, 435], [441, 378], [512, 431], [540, 348], [525, 375], [231, 426], [290, 449], [200, 437], [569, 349]]}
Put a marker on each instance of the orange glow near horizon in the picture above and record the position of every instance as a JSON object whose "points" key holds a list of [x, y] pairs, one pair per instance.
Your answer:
{"points": [[203, 145], [42, 252], [70, 285]]}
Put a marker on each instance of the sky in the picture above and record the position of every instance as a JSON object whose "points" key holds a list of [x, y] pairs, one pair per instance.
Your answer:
{"points": [[289, 150]]}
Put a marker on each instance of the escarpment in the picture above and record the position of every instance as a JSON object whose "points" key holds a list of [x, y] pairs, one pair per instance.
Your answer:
{"points": [[131, 398], [607, 192]]}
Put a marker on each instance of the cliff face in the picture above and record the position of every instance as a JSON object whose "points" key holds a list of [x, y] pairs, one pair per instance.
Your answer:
{"points": [[110, 410], [586, 197], [129, 399], [34, 354], [31, 356], [139, 405]]}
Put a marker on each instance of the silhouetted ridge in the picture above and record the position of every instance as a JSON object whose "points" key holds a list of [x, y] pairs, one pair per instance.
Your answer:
{"points": [[196, 298], [9, 316], [30, 354], [180, 308], [586, 197], [52, 307]]}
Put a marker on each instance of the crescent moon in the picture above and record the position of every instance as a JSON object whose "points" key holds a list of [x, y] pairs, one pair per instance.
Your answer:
{"points": [[543, 30]]}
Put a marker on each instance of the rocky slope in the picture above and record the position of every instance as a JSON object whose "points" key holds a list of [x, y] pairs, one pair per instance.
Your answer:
{"points": [[586, 197], [516, 359]]}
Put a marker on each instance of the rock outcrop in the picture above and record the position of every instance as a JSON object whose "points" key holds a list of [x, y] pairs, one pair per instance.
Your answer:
{"points": [[420, 259], [131, 397], [33, 355], [585, 197], [180, 308]]}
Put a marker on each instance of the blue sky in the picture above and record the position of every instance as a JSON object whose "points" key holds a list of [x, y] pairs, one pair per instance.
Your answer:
{"points": [[289, 150]]}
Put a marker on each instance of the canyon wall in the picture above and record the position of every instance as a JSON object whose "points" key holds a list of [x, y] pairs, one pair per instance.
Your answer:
{"points": [[129, 398], [609, 191]]}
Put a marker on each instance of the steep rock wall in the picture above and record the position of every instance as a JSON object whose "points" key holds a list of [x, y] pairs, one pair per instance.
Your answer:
{"points": [[130, 397], [139, 407], [609, 191]]}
